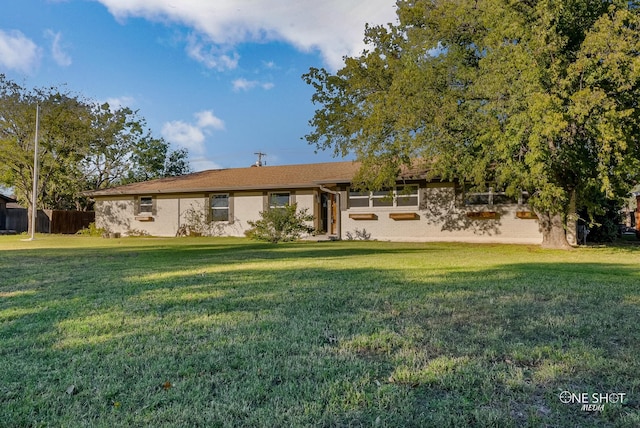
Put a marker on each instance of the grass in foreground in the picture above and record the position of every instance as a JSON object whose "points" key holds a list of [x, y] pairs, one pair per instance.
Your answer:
{"points": [[226, 332]]}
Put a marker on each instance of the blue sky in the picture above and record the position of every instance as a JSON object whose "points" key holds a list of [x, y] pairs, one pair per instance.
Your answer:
{"points": [[219, 77]]}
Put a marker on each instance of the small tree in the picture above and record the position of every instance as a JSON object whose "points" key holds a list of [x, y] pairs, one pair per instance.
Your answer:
{"points": [[280, 224], [195, 223]]}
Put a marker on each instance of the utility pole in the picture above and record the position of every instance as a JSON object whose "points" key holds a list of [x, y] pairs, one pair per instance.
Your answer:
{"points": [[260, 156]]}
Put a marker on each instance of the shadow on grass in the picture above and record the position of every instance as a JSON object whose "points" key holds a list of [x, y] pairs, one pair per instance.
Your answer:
{"points": [[257, 335]]}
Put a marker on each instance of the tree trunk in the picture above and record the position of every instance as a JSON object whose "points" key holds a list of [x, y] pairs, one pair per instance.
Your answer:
{"points": [[572, 220], [553, 231]]}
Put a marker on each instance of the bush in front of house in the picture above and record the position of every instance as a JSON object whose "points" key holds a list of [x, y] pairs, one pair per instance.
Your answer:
{"points": [[358, 235], [280, 224], [92, 230]]}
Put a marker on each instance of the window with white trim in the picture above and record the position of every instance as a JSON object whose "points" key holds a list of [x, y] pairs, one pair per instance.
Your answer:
{"points": [[220, 207], [493, 197], [382, 198], [358, 199], [145, 205], [407, 196], [279, 200], [401, 196]]}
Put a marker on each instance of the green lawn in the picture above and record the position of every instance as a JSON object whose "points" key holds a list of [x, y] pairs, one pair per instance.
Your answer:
{"points": [[228, 332]]}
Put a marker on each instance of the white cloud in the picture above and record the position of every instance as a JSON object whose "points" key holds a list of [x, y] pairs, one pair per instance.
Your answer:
{"points": [[214, 57], [17, 52], [192, 136], [207, 119], [120, 102], [184, 135], [334, 27], [57, 51], [243, 84]]}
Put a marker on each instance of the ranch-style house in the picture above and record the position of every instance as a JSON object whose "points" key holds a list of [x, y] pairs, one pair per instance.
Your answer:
{"points": [[416, 209]]}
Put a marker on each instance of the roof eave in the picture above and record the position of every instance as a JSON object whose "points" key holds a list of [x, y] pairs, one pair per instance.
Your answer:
{"points": [[133, 192]]}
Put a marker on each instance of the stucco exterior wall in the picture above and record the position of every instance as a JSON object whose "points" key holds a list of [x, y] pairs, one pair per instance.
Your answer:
{"points": [[118, 214], [306, 199], [246, 207], [171, 212], [115, 214], [439, 216]]}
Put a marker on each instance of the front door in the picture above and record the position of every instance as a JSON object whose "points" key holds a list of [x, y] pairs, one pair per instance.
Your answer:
{"points": [[334, 214], [328, 213], [324, 212]]}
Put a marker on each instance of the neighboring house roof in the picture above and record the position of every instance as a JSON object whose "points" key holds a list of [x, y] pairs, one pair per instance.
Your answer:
{"points": [[6, 199], [252, 178]]}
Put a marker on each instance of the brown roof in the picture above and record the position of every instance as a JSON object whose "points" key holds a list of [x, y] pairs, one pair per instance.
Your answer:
{"points": [[252, 178]]}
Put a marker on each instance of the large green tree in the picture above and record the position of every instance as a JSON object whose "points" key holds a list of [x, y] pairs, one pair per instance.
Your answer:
{"points": [[123, 151], [536, 96], [82, 146], [65, 122]]}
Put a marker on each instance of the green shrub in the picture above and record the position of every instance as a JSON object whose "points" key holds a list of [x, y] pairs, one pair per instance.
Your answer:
{"points": [[137, 233], [280, 224], [194, 223], [360, 235], [92, 230], [604, 222]]}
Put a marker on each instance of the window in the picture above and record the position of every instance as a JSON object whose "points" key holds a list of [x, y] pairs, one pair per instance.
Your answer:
{"points": [[407, 196], [402, 196], [146, 205], [500, 198], [490, 197], [382, 198], [358, 199], [478, 198], [278, 200], [220, 207]]}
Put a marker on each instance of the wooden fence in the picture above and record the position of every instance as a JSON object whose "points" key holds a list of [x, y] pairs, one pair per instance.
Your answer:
{"points": [[48, 221], [69, 221], [17, 220]]}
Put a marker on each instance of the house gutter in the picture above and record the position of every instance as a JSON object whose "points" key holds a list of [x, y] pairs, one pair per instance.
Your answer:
{"points": [[338, 210]]}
